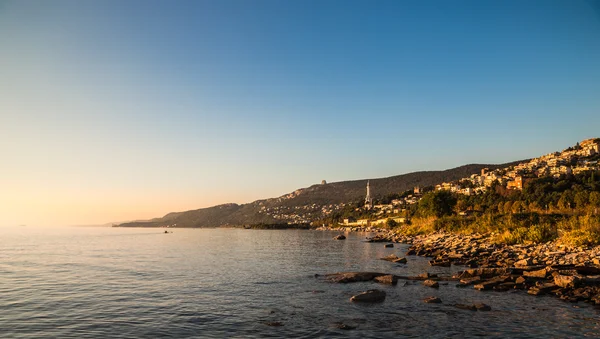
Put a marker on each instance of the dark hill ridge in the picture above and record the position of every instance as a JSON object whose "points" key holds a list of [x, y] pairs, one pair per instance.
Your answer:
{"points": [[308, 200]]}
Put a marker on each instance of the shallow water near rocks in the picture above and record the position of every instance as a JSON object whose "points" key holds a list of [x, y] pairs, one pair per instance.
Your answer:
{"points": [[202, 283]]}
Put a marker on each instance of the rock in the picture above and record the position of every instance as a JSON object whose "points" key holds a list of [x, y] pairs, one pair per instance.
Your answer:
{"points": [[400, 261], [411, 252], [541, 274], [523, 263], [431, 283], [387, 279], [541, 289], [432, 300], [369, 296], [482, 307], [484, 273], [388, 245], [521, 280], [466, 307], [470, 281], [349, 277], [488, 285], [339, 237], [565, 281], [454, 255], [426, 275], [391, 257], [442, 263]]}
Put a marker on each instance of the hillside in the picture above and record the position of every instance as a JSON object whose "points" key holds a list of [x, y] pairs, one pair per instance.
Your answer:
{"points": [[306, 204]]}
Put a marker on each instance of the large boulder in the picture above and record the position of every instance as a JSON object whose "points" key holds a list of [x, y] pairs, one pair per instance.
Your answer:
{"points": [[565, 281], [370, 296]]}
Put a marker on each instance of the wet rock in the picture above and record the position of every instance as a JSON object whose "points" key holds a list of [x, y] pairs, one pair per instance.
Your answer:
{"points": [[470, 281], [432, 300], [426, 275], [489, 284], [401, 261], [484, 273], [466, 307], [391, 257], [482, 307], [431, 283], [388, 245], [369, 296], [387, 279], [442, 263], [541, 289], [339, 237]]}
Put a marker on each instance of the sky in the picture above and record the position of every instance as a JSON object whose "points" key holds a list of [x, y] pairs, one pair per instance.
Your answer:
{"points": [[124, 110]]}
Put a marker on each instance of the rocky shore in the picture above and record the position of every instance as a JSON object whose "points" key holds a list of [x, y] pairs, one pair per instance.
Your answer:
{"points": [[570, 273]]}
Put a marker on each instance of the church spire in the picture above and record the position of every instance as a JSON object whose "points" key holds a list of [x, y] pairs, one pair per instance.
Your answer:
{"points": [[368, 199]]}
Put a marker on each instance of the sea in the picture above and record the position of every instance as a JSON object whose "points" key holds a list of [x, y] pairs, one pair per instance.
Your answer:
{"points": [[84, 282]]}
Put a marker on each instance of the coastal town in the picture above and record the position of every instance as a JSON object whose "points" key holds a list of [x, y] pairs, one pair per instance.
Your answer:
{"points": [[582, 157]]}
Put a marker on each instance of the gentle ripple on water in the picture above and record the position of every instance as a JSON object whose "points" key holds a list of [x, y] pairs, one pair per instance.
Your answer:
{"points": [[203, 283]]}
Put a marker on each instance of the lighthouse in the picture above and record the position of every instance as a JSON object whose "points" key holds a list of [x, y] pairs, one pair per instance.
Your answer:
{"points": [[368, 199]]}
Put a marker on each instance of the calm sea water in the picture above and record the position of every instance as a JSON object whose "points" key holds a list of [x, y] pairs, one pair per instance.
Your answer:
{"points": [[202, 283]]}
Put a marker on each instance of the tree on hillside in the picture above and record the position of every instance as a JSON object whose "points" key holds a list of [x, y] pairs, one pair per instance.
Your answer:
{"points": [[581, 199], [595, 199], [508, 207], [517, 207], [438, 203], [461, 205]]}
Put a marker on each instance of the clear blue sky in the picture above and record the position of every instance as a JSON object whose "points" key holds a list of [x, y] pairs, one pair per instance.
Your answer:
{"points": [[117, 110]]}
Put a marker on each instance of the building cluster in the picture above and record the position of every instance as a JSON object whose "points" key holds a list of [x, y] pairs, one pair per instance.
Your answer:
{"points": [[300, 214], [583, 157]]}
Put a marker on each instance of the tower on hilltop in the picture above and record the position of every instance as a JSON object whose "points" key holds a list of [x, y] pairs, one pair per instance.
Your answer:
{"points": [[368, 199]]}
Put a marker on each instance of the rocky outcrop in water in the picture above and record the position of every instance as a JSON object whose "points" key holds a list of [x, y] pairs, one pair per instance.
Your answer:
{"points": [[370, 296], [570, 273]]}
